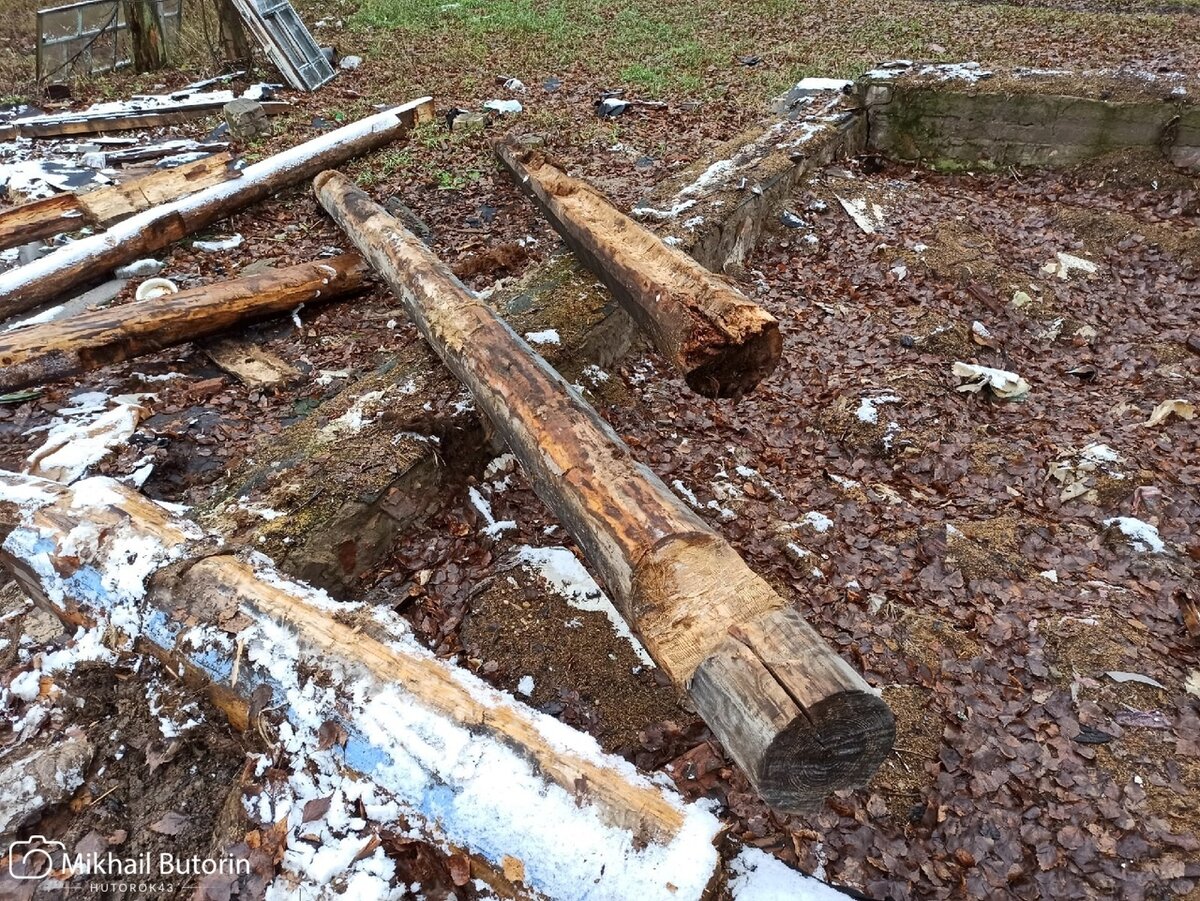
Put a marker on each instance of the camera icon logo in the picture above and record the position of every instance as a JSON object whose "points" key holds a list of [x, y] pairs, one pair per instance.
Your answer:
{"points": [[36, 855]]}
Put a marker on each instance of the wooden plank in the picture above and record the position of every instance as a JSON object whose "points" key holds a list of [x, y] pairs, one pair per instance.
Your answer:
{"points": [[107, 205], [84, 124]]}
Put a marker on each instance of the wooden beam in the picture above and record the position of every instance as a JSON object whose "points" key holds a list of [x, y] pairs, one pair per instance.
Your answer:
{"points": [[37, 354], [104, 206], [92, 258], [63, 125], [99, 553], [40, 219], [721, 341], [794, 715]]}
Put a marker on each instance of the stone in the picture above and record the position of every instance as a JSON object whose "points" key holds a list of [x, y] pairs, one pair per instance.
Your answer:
{"points": [[469, 122], [247, 119]]}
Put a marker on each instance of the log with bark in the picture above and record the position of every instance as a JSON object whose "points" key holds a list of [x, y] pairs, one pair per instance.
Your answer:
{"points": [[104, 206], [465, 764], [92, 258], [37, 354], [794, 715], [721, 341]]}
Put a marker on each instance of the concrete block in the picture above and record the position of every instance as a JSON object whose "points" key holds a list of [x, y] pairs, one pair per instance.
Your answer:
{"points": [[247, 119]]}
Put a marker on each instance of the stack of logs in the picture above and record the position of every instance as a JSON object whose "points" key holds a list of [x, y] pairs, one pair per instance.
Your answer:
{"points": [[791, 712]]}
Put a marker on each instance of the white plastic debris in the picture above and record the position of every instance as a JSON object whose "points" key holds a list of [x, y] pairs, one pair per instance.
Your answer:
{"points": [[350, 62], [220, 244], [1076, 471], [155, 287], [1000, 382], [79, 439], [1123, 677], [504, 107], [1064, 264], [869, 217], [1175, 407], [515, 85], [139, 269]]}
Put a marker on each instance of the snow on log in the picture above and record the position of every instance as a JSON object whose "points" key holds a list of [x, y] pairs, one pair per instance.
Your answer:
{"points": [[42, 353], [794, 715], [346, 686], [721, 341], [104, 206], [92, 258], [40, 219]]}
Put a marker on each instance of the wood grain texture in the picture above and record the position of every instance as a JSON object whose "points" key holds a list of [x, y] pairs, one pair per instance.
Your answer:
{"points": [[721, 341], [90, 259], [40, 219], [203, 587], [679, 585], [38, 354], [104, 206]]}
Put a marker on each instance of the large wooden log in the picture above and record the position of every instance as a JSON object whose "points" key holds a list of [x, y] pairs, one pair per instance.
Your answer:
{"points": [[721, 341], [40, 219], [790, 711], [44, 353], [90, 259], [464, 762], [104, 206]]}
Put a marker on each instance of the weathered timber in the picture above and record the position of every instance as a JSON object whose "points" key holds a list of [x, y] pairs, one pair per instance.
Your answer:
{"points": [[98, 553], [104, 206], [90, 259], [40, 219], [63, 125], [790, 711], [721, 341], [38, 354]]}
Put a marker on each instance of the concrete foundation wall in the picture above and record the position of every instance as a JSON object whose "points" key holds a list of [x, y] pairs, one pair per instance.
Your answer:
{"points": [[941, 123]]}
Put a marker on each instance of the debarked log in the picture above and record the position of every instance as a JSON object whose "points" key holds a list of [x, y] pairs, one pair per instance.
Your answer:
{"points": [[37, 354], [466, 764], [721, 341], [91, 258], [794, 715]]}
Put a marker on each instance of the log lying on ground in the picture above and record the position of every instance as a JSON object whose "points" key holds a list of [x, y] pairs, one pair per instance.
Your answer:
{"points": [[721, 341], [104, 120], [90, 259], [456, 759], [790, 711], [104, 206], [37, 354]]}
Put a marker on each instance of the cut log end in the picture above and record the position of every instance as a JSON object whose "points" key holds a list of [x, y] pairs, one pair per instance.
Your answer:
{"points": [[837, 743], [739, 367]]}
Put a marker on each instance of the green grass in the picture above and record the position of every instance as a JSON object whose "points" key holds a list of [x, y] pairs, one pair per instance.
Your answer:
{"points": [[678, 48]]}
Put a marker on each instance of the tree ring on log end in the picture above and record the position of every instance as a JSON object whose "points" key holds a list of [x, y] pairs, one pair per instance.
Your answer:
{"points": [[738, 368], [837, 743]]}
